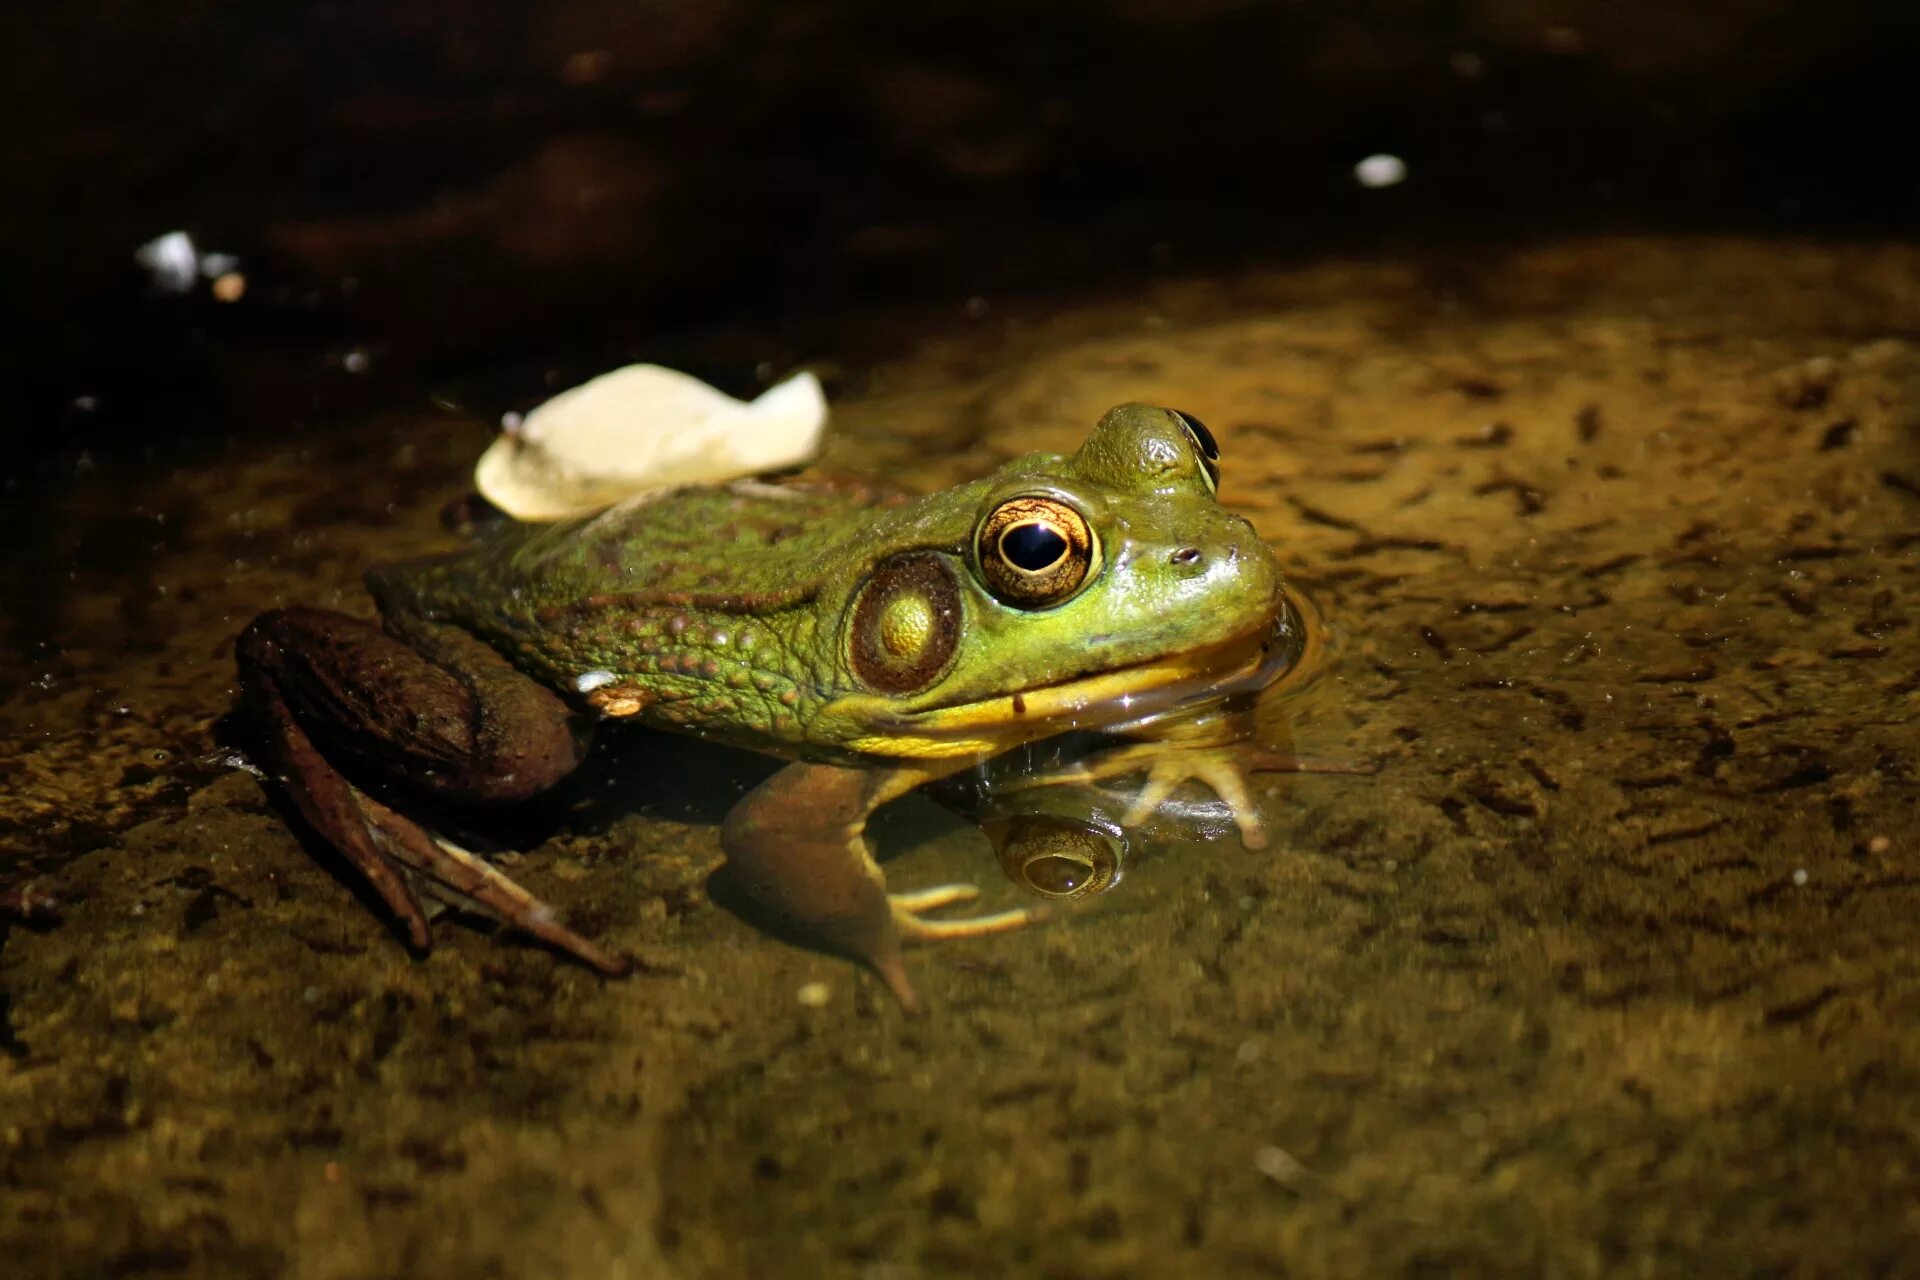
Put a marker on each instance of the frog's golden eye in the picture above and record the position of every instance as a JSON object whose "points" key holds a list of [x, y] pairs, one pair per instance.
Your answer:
{"points": [[1203, 444], [1056, 857], [1035, 551]]}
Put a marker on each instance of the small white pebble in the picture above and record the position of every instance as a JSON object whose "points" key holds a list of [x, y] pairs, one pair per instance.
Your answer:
{"points": [[814, 995], [172, 259], [588, 681], [354, 361], [1279, 1165], [1381, 170], [1800, 875]]}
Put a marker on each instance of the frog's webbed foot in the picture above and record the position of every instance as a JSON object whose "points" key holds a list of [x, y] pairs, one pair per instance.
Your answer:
{"points": [[797, 845], [1167, 766], [908, 909], [1224, 766], [1219, 769], [1225, 770], [450, 872]]}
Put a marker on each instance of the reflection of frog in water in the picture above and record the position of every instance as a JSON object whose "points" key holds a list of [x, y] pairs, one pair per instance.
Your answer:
{"points": [[1064, 821], [879, 645]]}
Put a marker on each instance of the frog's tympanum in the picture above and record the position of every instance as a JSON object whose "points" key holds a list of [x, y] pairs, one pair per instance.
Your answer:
{"points": [[878, 644]]}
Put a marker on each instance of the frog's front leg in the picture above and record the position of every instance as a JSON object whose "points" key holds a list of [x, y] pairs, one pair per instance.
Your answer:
{"points": [[1214, 747], [438, 712], [797, 846], [1222, 769]]}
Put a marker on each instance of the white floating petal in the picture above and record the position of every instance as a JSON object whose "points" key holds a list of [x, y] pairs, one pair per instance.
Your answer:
{"points": [[643, 429]]}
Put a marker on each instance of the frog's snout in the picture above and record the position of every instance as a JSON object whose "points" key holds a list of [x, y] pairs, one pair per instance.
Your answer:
{"points": [[1199, 562]]}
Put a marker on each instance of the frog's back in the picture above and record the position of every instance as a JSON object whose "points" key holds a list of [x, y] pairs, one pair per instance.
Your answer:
{"points": [[649, 584], [739, 540]]}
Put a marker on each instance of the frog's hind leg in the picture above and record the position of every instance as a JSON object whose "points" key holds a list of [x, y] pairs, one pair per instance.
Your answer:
{"points": [[797, 845], [330, 804], [434, 708], [456, 721]]}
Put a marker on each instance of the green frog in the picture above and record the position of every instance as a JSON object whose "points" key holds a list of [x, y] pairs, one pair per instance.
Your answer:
{"points": [[877, 642]]}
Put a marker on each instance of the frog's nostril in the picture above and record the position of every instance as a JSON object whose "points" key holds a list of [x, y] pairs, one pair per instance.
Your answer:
{"points": [[1186, 557]]}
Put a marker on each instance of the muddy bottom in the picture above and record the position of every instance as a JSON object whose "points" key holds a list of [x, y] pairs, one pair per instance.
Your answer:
{"points": [[1610, 969]]}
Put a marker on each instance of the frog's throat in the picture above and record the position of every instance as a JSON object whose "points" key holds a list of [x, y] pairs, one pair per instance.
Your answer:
{"points": [[1242, 663]]}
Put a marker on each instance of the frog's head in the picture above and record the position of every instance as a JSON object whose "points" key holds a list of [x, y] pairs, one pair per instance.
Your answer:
{"points": [[1060, 592]]}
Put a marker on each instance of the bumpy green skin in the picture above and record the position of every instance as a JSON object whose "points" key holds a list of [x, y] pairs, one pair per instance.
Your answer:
{"points": [[724, 611]]}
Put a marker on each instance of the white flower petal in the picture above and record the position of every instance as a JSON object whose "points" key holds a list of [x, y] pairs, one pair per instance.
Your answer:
{"points": [[644, 429]]}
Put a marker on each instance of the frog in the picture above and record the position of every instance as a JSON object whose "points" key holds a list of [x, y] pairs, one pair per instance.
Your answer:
{"points": [[873, 642]]}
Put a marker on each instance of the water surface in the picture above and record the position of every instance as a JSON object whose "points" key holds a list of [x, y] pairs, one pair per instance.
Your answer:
{"points": [[1610, 967]]}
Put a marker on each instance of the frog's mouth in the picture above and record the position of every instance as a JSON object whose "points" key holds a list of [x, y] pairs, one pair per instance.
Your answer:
{"points": [[1248, 661]]}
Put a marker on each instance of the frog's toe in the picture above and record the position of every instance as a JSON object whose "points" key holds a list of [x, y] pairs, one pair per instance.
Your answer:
{"points": [[903, 923], [891, 969], [1161, 780], [449, 871], [469, 876], [1229, 782], [912, 928], [1220, 771], [940, 895]]}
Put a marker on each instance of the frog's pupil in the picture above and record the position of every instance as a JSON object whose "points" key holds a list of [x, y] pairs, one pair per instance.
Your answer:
{"points": [[1055, 873], [1208, 445], [1033, 547]]}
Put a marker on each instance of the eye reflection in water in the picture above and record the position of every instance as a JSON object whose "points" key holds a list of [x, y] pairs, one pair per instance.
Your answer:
{"points": [[1059, 857]]}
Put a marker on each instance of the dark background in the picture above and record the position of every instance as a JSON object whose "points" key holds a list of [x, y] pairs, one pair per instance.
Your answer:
{"points": [[453, 190]]}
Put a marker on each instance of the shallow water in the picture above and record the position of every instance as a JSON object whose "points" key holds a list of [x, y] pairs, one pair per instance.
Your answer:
{"points": [[1609, 968]]}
